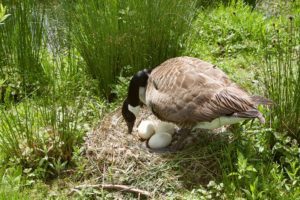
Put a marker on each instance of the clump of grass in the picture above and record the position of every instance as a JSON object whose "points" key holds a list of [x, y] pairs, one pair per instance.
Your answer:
{"points": [[37, 137], [113, 34], [282, 75]]}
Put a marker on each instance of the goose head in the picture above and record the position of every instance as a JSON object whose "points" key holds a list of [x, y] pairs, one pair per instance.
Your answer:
{"points": [[135, 97]]}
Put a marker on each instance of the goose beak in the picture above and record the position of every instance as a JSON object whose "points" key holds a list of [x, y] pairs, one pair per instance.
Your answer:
{"points": [[128, 116]]}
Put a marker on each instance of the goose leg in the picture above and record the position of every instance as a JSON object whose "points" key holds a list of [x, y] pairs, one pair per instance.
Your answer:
{"points": [[182, 138]]}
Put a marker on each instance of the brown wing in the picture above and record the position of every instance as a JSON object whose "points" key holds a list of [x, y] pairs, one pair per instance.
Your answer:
{"points": [[187, 90]]}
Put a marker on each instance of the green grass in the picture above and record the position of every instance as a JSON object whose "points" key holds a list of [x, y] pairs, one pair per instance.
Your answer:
{"points": [[55, 62]]}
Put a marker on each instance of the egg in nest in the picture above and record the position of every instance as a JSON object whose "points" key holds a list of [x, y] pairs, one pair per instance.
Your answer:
{"points": [[159, 133]]}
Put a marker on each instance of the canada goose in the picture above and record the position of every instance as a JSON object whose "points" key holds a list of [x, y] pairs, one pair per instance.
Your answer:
{"points": [[190, 93]]}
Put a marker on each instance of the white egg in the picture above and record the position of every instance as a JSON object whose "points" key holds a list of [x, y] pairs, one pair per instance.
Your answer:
{"points": [[160, 140], [165, 127], [146, 129]]}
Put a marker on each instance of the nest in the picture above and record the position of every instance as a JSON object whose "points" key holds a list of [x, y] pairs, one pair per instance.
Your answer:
{"points": [[120, 158]]}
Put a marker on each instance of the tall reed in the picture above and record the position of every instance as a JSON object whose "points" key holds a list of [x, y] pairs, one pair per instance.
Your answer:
{"points": [[21, 45], [282, 75], [113, 34], [39, 132]]}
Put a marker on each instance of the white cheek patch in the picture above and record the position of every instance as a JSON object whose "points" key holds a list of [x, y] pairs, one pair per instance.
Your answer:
{"points": [[134, 110]]}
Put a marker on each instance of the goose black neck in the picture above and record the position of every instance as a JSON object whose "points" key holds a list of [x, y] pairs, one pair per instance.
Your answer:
{"points": [[138, 80]]}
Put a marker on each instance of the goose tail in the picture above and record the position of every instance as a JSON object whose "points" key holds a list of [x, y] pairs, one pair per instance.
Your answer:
{"points": [[251, 114], [259, 100]]}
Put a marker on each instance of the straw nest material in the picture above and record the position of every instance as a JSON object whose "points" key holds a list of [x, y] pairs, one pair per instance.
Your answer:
{"points": [[120, 158]]}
